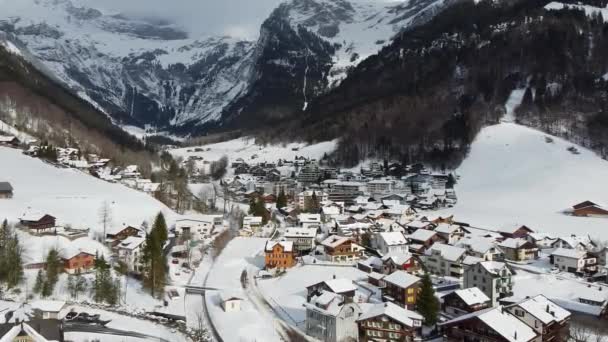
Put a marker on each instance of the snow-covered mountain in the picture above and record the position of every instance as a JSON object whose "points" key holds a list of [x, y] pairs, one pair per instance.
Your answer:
{"points": [[152, 72]]}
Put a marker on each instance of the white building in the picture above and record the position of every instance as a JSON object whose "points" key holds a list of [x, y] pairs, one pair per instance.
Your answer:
{"points": [[48, 308], [445, 260], [540, 314], [379, 186], [391, 242], [252, 223], [573, 260], [492, 278], [130, 252], [230, 302], [450, 233], [330, 318], [310, 220], [303, 238], [199, 227], [305, 196]]}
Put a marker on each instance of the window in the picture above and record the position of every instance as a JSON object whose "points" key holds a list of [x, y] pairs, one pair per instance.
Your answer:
{"points": [[410, 299], [519, 313], [410, 291]]}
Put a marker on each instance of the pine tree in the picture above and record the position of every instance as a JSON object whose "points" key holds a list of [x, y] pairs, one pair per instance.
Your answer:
{"points": [[39, 282], [14, 263], [281, 199], [427, 303], [154, 258], [160, 225]]}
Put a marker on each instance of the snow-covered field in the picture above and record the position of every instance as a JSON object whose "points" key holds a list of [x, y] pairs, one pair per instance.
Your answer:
{"points": [[513, 176], [246, 148], [71, 196], [249, 324]]}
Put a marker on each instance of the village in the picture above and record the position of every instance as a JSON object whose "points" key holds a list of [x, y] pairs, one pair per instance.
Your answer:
{"points": [[333, 255]]}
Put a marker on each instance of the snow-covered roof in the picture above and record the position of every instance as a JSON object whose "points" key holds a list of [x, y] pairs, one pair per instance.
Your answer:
{"points": [[132, 242], [48, 305], [309, 218], [472, 296], [395, 312], [446, 228], [511, 228], [7, 138], [397, 257], [401, 279], [300, 233], [513, 243], [334, 241], [568, 253], [422, 235], [448, 252], [340, 285], [287, 245], [471, 260], [327, 303], [15, 331], [478, 244], [252, 219], [371, 262], [544, 309], [228, 296], [493, 267], [393, 238], [505, 324]]}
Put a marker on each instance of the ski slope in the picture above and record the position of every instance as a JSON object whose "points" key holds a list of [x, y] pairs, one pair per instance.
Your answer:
{"points": [[71, 196], [513, 176]]}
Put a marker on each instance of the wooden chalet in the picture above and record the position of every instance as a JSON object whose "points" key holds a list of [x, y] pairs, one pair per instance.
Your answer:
{"points": [[38, 222], [589, 208], [402, 289]]}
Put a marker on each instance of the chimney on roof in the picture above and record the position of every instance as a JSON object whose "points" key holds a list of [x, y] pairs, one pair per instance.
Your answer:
{"points": [[547, 307], [515, 335], [334, 276]]}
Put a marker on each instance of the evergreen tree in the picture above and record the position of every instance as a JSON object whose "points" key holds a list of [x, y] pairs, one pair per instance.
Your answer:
{"points": [[427, 303], [281, 199], [105, 289], [14, 263], [154, 258], [39, 284], [316, 205], [160, 226]]}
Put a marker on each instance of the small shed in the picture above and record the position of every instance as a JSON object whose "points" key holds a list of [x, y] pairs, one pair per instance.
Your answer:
{"points": [[48, 308], [6, 190], [230, 302]]}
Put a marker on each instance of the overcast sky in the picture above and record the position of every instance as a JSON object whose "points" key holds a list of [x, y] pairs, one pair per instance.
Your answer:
{"points": [[240, 18]]}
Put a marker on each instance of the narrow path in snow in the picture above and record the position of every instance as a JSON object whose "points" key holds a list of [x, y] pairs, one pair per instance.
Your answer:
{"points": [[512, 103]]}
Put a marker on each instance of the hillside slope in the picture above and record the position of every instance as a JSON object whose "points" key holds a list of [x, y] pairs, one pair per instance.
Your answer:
{"points": [[71, 196], [514, 176]]}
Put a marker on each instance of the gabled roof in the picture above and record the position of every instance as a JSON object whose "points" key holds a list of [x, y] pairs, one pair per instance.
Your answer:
{"points": [[446, 228], [493, 267], [395, 312], [569, 253], [340, 285], [505, 324], [422, 235], [472, 296], [393, 238], [448, 252], [287, 245], [397, 258], [334, 241], [544, 310], [300, 233], [516, 243], [401, 279], [585, 204]]}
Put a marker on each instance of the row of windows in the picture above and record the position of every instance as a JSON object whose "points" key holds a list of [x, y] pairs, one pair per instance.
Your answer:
{"points": [[391, 326], [375, 333]]}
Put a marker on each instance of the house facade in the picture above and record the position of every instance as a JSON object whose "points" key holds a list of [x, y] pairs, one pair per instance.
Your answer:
{"points": [[574, 261], [388, 322], [519, 249], [303, 238], [391, 242], [402, 289], [464, 301], [445, 260], [79, 262], [546, 318], [279, 254], [492, 277], [341, 249], [330, 319]]}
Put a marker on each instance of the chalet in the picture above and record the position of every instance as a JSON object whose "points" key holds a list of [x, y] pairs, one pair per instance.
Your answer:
{"points": [[493, 324], [445, 260], [541, 240], [118, 234], [330, 318], [392, 262], [514, 231], [589, 208], [418, 224], [279, 254], [546, 318], [450, 232], [519, 249], [574, 261], [341, 249], [391, 242], [424, 238], [9, 140], [402, 289], [483, 248], [273, 176], [241, 169], [37, 222], [389, 322], [77, 261], [581, 243], [6, 190], [341, 286], [462, 302]]}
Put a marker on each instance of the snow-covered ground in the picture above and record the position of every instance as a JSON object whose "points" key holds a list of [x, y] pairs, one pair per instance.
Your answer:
{"points": [[589, 10], [71, 196], [246, 148], [513, 102], [514, 176], [249, 324]]}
